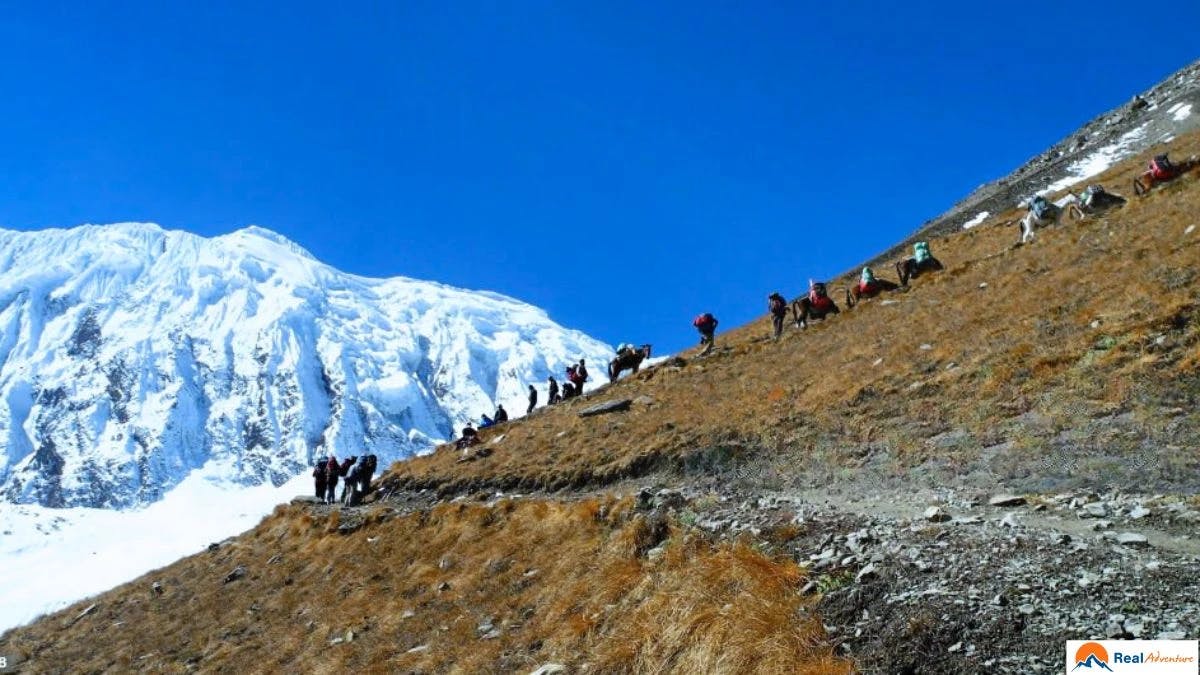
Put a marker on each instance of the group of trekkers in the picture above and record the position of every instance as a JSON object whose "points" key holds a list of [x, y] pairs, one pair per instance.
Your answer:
{"points": [[576, 376], [357, 472], [817, 304]]}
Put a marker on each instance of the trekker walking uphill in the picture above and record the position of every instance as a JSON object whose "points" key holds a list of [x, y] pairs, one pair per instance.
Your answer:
{"points": [[331, 479], [319, 478], [778, 307], [532, 399], [581, 376], [706, 323]]}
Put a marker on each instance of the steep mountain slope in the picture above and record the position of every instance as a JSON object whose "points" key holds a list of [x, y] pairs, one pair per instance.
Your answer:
{"points": [[835, 500], [130, 356]]}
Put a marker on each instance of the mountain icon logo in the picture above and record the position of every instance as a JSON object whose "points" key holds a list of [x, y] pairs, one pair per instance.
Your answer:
{"points": [[1091, 655]]}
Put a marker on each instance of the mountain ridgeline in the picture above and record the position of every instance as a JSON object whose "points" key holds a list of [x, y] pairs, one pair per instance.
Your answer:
{"points": [[131, 356]]}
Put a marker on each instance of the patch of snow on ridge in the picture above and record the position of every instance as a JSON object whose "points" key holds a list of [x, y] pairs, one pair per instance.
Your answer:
{"points": [[979, 218], [58, 556], [1181, 111], [1097, 162]]}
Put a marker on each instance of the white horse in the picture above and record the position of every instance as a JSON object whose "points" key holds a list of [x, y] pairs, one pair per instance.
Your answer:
{"points": [[1052, 215]]}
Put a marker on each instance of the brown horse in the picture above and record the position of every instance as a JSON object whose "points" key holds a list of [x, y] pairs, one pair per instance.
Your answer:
{"points": [[1164, 173], [857, 292], [630, 359], [816, 305]]}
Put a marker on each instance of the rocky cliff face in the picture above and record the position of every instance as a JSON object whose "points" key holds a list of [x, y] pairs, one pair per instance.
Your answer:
{"points": [[130, 356]]}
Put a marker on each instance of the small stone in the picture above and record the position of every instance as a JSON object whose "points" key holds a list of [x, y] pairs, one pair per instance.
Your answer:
{"points": [[983, 284], [954, 647], [491, 635], [407, 614], [549, 669], [867, 573], [1009, 520], [1171, 635], [1101, 525], [1133, 539], [655, 554], [809, 588], [237, 573], [926, 347], [1190, 229], [1135, 627], [1093, 510], [1006, 500], [936, 514], [1027, 609], [418, 648], [1139, 512]]}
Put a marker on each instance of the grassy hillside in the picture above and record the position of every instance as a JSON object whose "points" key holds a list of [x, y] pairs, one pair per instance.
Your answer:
{"points": [[1090, 320], [1082, 345]]}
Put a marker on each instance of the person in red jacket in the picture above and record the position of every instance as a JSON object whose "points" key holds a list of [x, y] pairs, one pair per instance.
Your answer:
{"points": [[707, 325]]}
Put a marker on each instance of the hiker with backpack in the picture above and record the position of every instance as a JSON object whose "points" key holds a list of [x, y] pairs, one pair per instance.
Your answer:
{"points": [[921, 261], [553, 397], [501, 414], [532, 399], [344, 471], [706, 324], [350, 485], [468, 438], [332, 472], [367, 472], [777, 306], [319, 478], [581, 376]]}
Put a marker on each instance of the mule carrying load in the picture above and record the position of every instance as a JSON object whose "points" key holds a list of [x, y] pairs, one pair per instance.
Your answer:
{"points": [[1161, 170], [1093, 200], [1042, 213], [922, 261], [816, 305], [627, 358], [869, 285]]}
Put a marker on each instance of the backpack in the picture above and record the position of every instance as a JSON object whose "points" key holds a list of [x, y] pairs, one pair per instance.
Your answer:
{"points": [[1090, 193], [332, 471], [1039, 206], [704, 321], [868, 277], [921, 251]]}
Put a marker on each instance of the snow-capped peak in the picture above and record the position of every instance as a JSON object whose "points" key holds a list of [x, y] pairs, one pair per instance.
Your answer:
{"points": [[131, 355]]}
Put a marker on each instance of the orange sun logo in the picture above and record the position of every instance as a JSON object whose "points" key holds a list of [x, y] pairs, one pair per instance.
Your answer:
{"points": [[1091, 654]]}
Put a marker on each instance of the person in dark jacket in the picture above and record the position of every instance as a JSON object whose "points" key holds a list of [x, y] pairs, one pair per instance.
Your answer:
{"points": [[468, 438], [501, 414], [368, 471], [332, 471], [319, 478], [778, 307], [553, 396], [581, 376], [532, 399]]}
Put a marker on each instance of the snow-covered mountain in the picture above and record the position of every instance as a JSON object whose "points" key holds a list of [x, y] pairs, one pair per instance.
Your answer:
{"points": [[131, 356]]}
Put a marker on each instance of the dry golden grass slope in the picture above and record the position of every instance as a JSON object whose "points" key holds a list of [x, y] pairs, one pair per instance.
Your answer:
{"points": [[1093, 319], [1003, 331], [423, 592]]}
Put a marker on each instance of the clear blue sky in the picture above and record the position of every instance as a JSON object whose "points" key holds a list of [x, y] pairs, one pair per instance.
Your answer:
{"points": [[624, 165]]}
